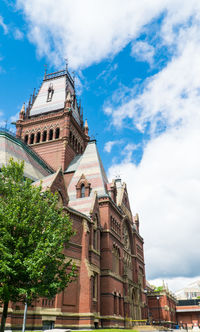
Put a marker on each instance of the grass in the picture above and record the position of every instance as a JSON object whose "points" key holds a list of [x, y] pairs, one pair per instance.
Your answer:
{"points": [[112, 330]]}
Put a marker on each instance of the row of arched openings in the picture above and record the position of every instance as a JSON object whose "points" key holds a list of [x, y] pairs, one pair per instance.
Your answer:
{"points": [[75, 144], [42, 137]]}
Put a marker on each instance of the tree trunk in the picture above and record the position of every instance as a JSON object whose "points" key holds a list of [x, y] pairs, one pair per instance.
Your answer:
{"points": [[4, 316]]}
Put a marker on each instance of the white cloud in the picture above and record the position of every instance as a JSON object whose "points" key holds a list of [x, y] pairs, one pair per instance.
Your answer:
{"points": [[18, 34], [171, 95], [174, 284], [3, 25], [165, 189], [88, 31], [109, 145], [165, 186], [142, 51]]}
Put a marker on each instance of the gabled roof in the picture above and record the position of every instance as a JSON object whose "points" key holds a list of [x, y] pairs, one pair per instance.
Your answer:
{"points": [[12, 147], [91, 167], [46, 182], [54, 182]]}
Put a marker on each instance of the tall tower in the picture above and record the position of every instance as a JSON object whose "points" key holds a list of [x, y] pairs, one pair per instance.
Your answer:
{"points": [[52, 124]]}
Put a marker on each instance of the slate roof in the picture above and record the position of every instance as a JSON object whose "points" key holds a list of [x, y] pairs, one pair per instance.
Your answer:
{"points": [[91, 166], [46, 181], [61, 82], [74, 164], [12, 147]]}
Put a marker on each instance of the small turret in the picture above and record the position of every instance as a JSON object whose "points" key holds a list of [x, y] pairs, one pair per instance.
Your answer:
{"points": [[22, 113], [86, 129], [68, 101], [137, 222]]}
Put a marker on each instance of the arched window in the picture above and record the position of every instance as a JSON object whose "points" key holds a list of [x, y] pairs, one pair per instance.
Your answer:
{"points": [[120, 305], [73, 141], [95, 286], [44, 136], [82, 191], [50, 134], [57, 132], [78, 147], [95, 238], [115, 304], [70, 137], [38, 137], [115, 259], [26, 139], [32, 138]]}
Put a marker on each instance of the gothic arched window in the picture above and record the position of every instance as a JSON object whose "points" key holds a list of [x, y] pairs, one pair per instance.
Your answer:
{"points": [[38, 137], [50, 134], [82, 191], [32, 138], [50, 92], [44, 136], [57, 132], [26, 139]]}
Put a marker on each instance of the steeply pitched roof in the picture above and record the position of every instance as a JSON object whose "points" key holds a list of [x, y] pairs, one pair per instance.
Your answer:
{"points": [[46, 182], [59, 82], [73, 164], [11, 147], [91, 166]]}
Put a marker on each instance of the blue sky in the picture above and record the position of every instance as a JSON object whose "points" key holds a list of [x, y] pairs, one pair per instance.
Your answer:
{"points": [[137, 68]]}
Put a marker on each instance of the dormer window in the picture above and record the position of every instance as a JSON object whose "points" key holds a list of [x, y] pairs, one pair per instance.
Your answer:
{"points": [[83, 187], [50, 92]]}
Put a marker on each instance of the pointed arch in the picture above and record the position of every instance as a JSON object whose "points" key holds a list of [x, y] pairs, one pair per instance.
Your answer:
{"points": [[82, 187]]}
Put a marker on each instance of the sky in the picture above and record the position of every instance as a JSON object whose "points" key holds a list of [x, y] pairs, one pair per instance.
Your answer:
{"points": [[137, 73]]}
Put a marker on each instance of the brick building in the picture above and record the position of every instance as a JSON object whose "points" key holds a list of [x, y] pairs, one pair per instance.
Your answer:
{"points": [[107, 248], [161, 307], [188, 313]]}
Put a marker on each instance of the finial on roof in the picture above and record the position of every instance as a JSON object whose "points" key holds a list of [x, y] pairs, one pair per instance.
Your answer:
{"points": [[136, 221], [86, 124], [22, 112], [86, 128]]}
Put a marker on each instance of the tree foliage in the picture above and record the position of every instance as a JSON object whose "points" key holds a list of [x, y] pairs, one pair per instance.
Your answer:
{"points": [[33, 232]]}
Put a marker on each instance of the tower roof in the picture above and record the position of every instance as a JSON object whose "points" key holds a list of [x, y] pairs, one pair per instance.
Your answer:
{"points": [[52, 95], [89, 165]]}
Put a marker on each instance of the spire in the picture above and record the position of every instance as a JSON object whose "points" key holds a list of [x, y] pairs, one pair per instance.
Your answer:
{"points": [[22, 112]]}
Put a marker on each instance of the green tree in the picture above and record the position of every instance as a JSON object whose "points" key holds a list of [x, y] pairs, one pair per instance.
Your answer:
{"points": [[33, 232]]}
